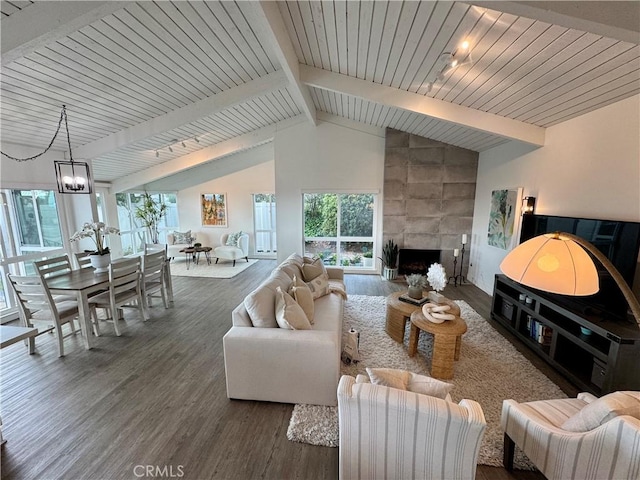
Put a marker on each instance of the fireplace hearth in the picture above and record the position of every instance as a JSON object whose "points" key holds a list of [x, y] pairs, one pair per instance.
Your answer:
{"points": [[416, 261]]}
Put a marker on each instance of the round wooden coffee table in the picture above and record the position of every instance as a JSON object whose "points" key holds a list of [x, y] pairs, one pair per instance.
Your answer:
{"points": [[446, 342], [398, 312]]}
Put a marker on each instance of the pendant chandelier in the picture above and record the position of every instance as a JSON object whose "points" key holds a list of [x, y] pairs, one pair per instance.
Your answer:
{"points": [[71, 176]]}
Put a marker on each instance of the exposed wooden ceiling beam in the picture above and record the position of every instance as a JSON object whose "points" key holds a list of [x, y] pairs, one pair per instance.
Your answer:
{"points": [[619, 20], [189, 113], [274, 29], [432, 107], [208, 154], [45, 22]]}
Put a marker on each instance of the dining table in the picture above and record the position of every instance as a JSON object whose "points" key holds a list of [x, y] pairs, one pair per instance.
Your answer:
{"points": [[83, 283]]}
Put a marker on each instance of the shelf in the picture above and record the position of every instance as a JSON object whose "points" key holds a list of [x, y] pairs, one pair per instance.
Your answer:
{"points": [[599, 363]]}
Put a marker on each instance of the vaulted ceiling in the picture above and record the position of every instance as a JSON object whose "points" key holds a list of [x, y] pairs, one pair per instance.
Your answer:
{"points": [[149, 85]]}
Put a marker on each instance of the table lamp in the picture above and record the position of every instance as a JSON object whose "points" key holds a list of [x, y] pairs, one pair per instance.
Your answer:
{"points": [[559, 263]]}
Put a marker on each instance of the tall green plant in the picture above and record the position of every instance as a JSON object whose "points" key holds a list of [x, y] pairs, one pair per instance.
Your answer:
{"points": [[390, 254], [150, 213]]}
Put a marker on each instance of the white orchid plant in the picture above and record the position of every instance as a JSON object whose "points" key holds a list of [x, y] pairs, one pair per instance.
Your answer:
{"points": [[97, 231], [437, 277]]}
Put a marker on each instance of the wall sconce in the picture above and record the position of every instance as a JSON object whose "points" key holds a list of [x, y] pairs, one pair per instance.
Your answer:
{"points": [[528, 205], [72, 177]]}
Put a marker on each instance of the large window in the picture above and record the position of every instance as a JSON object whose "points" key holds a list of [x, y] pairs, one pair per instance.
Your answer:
{"points": [[133, 234], [339, 228], [264, 221], [30, 225]]}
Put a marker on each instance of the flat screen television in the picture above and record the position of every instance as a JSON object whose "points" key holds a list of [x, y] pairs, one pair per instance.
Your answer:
{"points": [[619, 241]]}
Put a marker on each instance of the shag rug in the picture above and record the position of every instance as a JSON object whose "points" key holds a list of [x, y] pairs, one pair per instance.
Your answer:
{"points": [[489, 371], [222, 269]]}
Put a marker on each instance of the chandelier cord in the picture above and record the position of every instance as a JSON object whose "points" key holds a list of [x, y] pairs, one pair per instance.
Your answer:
{"points": [[63, 115]]}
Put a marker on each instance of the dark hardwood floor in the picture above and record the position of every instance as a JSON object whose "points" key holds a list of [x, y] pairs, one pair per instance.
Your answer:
{"points": [[152, 403]]}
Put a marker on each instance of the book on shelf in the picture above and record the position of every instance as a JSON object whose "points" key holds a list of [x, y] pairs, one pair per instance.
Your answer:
{"points": [[413, 301]]}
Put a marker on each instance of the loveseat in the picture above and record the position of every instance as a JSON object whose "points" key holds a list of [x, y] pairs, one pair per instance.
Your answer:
{"points": [[174, 245], [269, 363]]}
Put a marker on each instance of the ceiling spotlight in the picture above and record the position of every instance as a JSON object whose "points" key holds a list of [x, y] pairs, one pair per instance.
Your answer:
{"points": [[157, 154], [170, 149], [196, 139], [183, 145], [464, 45]]}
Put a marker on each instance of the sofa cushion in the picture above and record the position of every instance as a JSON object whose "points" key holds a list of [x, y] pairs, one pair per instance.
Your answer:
{"points": [[313, 270], [260, 303], [288, 313], [403, 380], [319, 286], [301, 293], [291, 268], [604, 409], [297, 259], [182, 237]]}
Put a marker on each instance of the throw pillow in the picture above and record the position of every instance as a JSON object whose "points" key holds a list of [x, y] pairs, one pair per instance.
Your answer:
{"points": [[319, 286], [260, 303], [604, 409], [301, 293], [313, 270], [181, 237], [288, 313], [412, 382], [232, 239]]}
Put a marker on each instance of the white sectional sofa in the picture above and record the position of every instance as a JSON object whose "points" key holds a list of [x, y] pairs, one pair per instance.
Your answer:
{"points": [[281, 365]]}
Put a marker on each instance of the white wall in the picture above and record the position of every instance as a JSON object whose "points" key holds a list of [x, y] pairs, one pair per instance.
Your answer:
{"points": [[238, 187], [326, 158], [589, 167]]}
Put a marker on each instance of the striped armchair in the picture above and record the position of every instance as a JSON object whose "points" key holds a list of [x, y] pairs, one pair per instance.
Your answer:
{"points": [[611, 450], [396, 434]]}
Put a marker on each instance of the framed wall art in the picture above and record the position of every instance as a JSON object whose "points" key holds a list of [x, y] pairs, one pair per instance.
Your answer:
{"points": [[213, 207], [503, 218]]}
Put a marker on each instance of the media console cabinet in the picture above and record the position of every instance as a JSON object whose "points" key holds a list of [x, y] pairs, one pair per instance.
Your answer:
{"points": [[594, 353]]}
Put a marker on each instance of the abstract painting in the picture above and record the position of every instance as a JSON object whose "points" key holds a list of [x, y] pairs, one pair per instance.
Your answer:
{"points": [[214, 209], [503, 217]]}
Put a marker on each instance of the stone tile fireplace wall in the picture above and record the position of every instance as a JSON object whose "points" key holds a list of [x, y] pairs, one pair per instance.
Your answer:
{"points": [[429, 192]]}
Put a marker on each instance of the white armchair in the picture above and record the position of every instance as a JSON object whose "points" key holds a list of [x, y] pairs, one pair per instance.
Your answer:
{"points": [[232, 252], [173, 249], [396, 434], [611, 450]]}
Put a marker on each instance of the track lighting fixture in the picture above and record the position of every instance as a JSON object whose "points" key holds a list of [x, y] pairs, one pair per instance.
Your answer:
{"points": [[157, 154], [183, 145], [452, 60], [170, 149]]}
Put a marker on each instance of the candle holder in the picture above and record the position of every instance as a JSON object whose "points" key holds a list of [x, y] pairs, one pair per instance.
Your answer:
{"points": [[454, 276]]}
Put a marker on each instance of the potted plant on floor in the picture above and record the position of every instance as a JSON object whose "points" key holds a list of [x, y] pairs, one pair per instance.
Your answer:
{"points": [[389, 261], [150, 213]]}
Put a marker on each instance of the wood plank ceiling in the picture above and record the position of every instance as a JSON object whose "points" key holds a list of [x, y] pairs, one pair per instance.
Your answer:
{"points": [[145, 72]]}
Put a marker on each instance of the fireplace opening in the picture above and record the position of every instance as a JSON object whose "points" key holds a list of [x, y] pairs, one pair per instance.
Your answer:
{"points": [[416, 261]]}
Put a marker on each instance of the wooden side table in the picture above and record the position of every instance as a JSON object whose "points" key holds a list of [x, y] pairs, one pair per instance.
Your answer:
{"points": [[398, 312], [446, 342]]}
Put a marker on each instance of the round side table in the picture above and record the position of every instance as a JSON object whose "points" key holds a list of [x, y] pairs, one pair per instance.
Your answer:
{"points": [[446, 342], [398, 312]]}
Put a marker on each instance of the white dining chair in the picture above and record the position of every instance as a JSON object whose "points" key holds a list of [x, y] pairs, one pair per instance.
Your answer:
{"points": [[153, 277], [83, 259], [36, 306], [49, 267], [124, 288]]}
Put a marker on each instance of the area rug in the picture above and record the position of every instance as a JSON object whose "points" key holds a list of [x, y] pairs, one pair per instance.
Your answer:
{"points": [[490, 370], [222, 269]]}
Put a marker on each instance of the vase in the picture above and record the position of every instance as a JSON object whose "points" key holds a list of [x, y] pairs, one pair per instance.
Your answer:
{"points": [[415, 292], [100, 263], [389, 273]]}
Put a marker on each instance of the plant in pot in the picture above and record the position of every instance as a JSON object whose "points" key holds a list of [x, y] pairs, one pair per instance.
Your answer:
{"points": [[97, 231], [150, 212], [389, 260], [416, 283], [367, 259]]}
